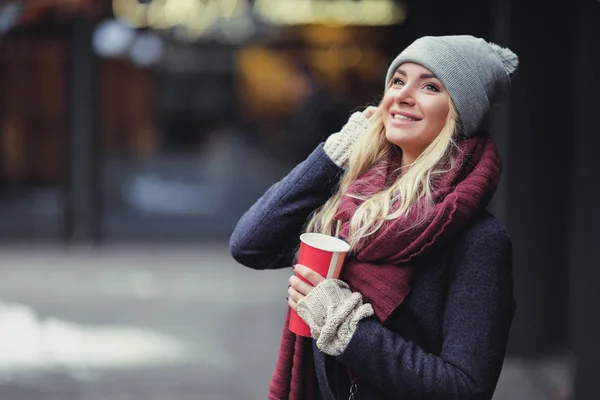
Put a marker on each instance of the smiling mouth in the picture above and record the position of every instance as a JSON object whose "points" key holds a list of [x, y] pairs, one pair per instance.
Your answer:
{"points": [[403, 118]]}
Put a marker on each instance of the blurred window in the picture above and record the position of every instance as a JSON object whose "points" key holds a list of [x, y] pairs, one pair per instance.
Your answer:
{"points": [[33, 134]]}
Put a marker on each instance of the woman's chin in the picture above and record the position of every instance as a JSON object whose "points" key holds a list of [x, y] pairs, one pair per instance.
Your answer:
{"points": [[399, 139]]}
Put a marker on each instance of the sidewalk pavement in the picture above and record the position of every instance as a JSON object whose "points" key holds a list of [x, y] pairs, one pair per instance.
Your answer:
{"points": [[163, 322]]}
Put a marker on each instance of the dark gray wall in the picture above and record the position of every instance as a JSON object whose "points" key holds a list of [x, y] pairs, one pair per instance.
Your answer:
{"points": [[584, 316], [539, 172]]}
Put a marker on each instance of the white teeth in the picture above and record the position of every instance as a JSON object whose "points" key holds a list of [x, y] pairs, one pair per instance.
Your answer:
{"points": [[399, 116]]}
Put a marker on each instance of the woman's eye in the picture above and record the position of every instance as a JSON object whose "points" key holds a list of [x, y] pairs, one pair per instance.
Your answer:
{"points": [[431, 87], [397, 81]]}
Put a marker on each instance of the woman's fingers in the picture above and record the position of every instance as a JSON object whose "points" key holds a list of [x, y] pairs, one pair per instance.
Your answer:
{"points": [[369, 111], [294, 294], [299, 285], [293, 297], [293, 304], [297, 288], [313, 277]]}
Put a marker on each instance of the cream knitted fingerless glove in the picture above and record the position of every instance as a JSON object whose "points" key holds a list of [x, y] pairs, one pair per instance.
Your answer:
{"points": [[332, 311], [338, 146]]}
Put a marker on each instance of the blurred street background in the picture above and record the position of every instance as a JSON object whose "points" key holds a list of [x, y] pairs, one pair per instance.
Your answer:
{"points": [[134, 133]]}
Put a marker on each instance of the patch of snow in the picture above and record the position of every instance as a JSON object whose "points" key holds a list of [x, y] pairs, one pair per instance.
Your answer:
{"points": [[27, 342]]}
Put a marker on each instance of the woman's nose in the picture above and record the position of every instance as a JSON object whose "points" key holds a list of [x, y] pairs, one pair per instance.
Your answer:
{"points": [[405, 96]]}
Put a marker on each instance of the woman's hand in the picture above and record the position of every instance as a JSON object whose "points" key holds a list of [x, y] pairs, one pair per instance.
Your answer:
{"points": [[328, 307], [369, 112], [339, 145], [298, 289]]}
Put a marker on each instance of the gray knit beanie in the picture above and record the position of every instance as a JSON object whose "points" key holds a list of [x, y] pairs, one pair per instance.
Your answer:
{"points": [[476, 73]]}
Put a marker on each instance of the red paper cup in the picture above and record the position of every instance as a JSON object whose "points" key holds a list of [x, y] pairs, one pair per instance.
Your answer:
{"points": [[324, 254]]}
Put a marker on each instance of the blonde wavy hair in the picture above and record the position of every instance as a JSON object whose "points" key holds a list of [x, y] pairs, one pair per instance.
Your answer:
{"points": [[414, 182]]}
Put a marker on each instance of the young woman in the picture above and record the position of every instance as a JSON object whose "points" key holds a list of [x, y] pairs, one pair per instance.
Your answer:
{"points": [[424, 304]]}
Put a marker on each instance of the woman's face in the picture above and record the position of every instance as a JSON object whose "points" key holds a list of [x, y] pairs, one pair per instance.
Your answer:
{"points": [[414, 109]]}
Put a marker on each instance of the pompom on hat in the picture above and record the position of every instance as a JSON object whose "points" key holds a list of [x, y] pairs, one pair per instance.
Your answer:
{"points": [[476, 73]]}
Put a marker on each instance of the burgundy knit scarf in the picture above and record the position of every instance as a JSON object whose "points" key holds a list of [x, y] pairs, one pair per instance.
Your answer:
{"points": [[382, 269]]}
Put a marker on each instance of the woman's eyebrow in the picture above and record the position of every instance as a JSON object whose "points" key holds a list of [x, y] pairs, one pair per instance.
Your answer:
{"points": [[422, 76]]}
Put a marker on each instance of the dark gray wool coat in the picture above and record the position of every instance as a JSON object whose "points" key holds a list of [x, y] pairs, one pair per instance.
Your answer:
{"points": [[446, 341]]}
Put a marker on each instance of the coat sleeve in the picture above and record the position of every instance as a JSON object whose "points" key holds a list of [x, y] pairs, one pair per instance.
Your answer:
{"points": [[479, 310], [266, 236]]}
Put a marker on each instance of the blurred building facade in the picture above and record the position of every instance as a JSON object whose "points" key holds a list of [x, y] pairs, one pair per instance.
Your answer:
{"points": [[165, 119], [122, 118]]}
